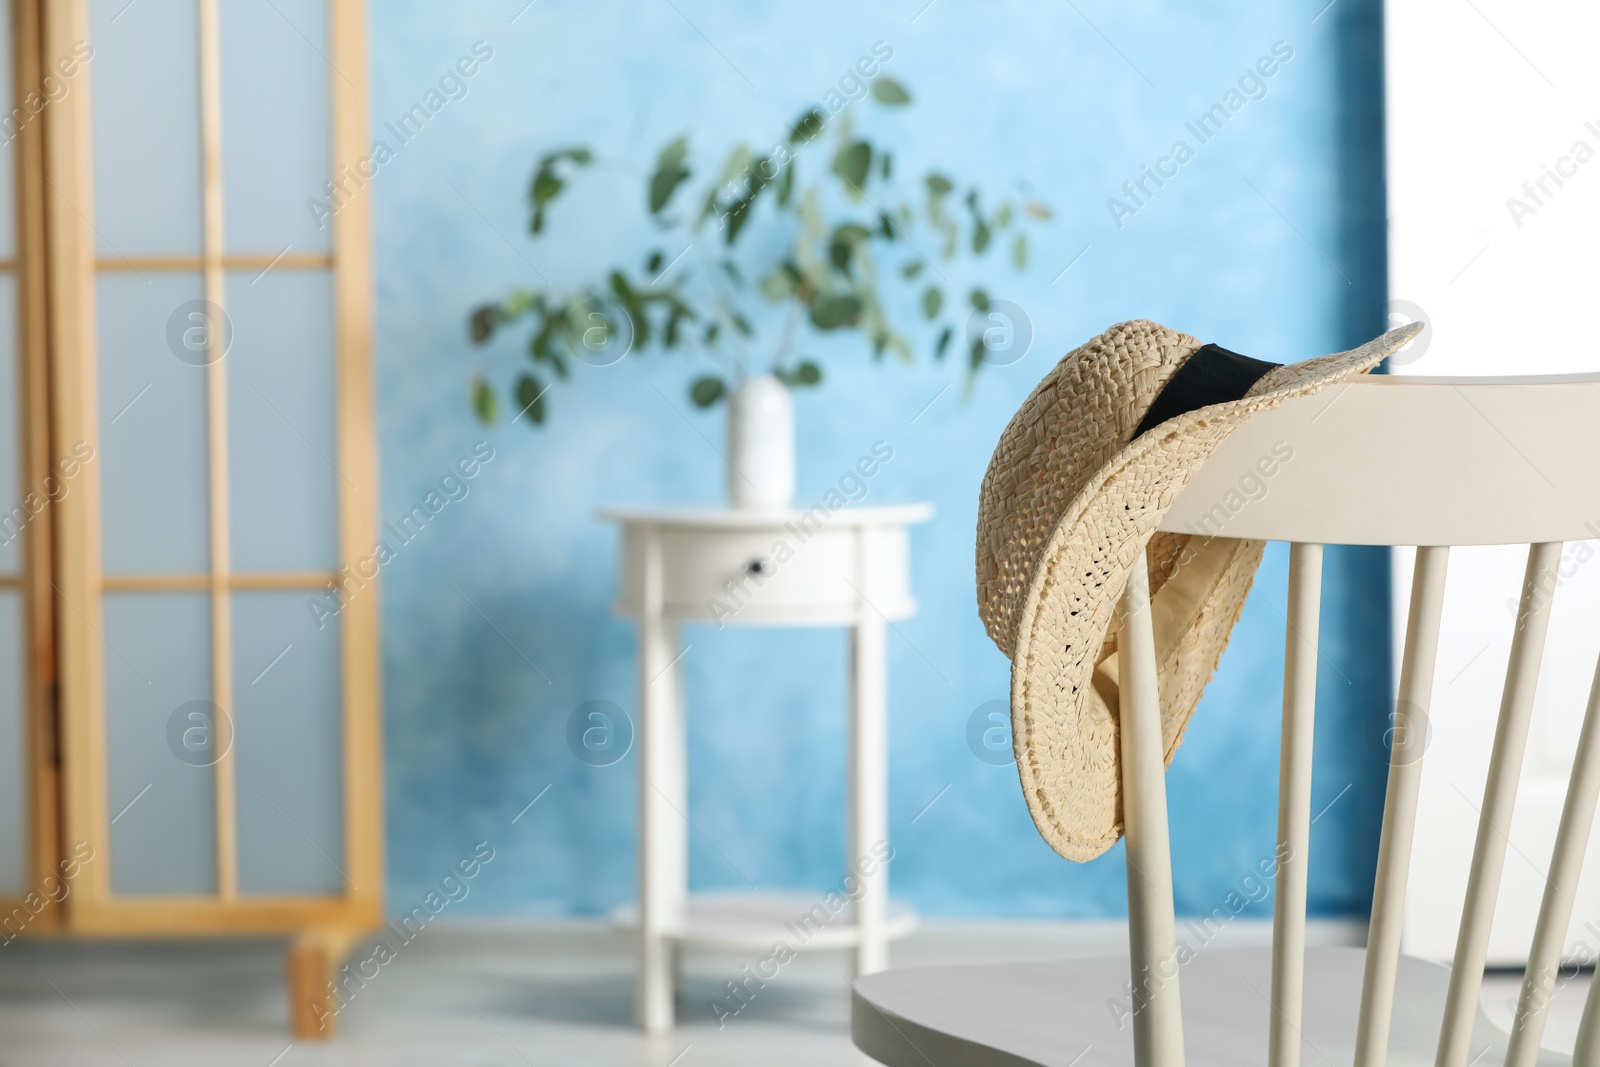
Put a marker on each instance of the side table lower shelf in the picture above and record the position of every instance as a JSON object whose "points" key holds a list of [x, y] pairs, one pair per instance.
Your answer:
{"points": [[759, 920]]}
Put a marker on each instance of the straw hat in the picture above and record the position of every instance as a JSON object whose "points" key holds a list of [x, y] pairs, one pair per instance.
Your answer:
{"points": [[1078, 483]]}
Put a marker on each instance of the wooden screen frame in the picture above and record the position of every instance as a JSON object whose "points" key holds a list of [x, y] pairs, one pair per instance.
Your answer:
{"points": [[40, 742], [71, 269]]}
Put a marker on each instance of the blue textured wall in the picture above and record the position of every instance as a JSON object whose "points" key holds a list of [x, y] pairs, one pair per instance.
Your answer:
{"points": [[497, 620]]}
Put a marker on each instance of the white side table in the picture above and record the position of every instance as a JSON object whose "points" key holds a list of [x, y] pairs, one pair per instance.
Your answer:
{"points": [[849, 568]]}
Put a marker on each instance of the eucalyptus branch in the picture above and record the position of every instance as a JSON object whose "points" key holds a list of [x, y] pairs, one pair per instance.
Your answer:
{"points": [[827, 276]]}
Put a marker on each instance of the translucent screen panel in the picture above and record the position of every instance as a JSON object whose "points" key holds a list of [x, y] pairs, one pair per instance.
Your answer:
{"points": [[162, 742], [146, 127], [16, 115], [275, 101], [16, 511], [13, 747], [289, 748], [153, 422], [281, 449]]}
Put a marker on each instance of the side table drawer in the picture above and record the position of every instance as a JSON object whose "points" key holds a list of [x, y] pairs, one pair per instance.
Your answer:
{"points": [[786, 573]]}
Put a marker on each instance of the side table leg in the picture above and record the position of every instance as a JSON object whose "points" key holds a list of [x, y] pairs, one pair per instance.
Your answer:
{"points": [[663, 844], [869, 792]]}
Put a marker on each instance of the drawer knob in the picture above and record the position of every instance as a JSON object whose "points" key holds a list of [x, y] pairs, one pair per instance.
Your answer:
{"points": [[756, 566]]}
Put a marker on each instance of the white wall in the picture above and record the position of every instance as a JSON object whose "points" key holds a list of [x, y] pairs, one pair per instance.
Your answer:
{"points": [[1483, 97]]}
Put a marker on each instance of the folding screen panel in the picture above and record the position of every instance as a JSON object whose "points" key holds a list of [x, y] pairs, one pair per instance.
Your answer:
{"points": [[212, 345]]}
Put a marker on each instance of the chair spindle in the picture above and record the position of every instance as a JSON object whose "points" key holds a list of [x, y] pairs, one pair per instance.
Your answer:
{"points": [[1560, 889], [1409, 733], [1152, 927], [1294, 803], [1586, 1049], [1499, 798]]}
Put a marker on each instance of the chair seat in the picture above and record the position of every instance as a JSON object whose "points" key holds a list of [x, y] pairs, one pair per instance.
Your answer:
{"points": [[1061, 1013]]}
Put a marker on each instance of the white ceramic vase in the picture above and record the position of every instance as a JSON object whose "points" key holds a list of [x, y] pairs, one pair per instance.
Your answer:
{"points": [[761, 445]]}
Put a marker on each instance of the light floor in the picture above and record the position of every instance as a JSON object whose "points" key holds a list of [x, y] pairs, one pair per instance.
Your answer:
{"points": [[486, 995]]}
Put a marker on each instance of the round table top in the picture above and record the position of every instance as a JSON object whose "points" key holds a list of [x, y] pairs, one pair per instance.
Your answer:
{"points": [[715, 518]]}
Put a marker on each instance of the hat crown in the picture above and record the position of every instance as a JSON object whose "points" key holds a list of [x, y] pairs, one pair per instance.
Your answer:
{"points": [[1072, 504], [1075, 420]]}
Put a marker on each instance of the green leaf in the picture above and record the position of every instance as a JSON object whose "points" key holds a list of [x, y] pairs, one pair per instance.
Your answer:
{"points": [[707, 390], [530, 398], [547, 182], [681, 309], [803, 374], [634, 307], [1002, 218], [842, 245], [782, 283], [713, 330], [912, 269], [777, 286], [481, 324], [975, 356], [484, 401], [938, 184], [829, 311], [980, 300], [731, 269], [980, 236], [654, 264], [1019, 251], [741, 323], [932, 301], [539, 348], [735, 219], [980, 227], [670, 173], [545, 187], [520, 303], [901, 347], [852, 164], [886, 227], [888, 91], [539, 344], [884, 166], [786, 184], [737, 163], [943, 343], [807, 127], [674, 152], [756, 179]]}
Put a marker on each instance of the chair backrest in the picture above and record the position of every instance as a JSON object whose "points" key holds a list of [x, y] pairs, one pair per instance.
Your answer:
{"points": [[1434, 463]]}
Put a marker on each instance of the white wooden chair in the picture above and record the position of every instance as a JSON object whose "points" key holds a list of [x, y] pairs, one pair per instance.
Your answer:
{"points": [[1380, 461]]}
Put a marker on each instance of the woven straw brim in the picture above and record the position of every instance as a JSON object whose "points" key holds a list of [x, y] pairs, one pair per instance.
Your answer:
{"points": [[1064, 733]]}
